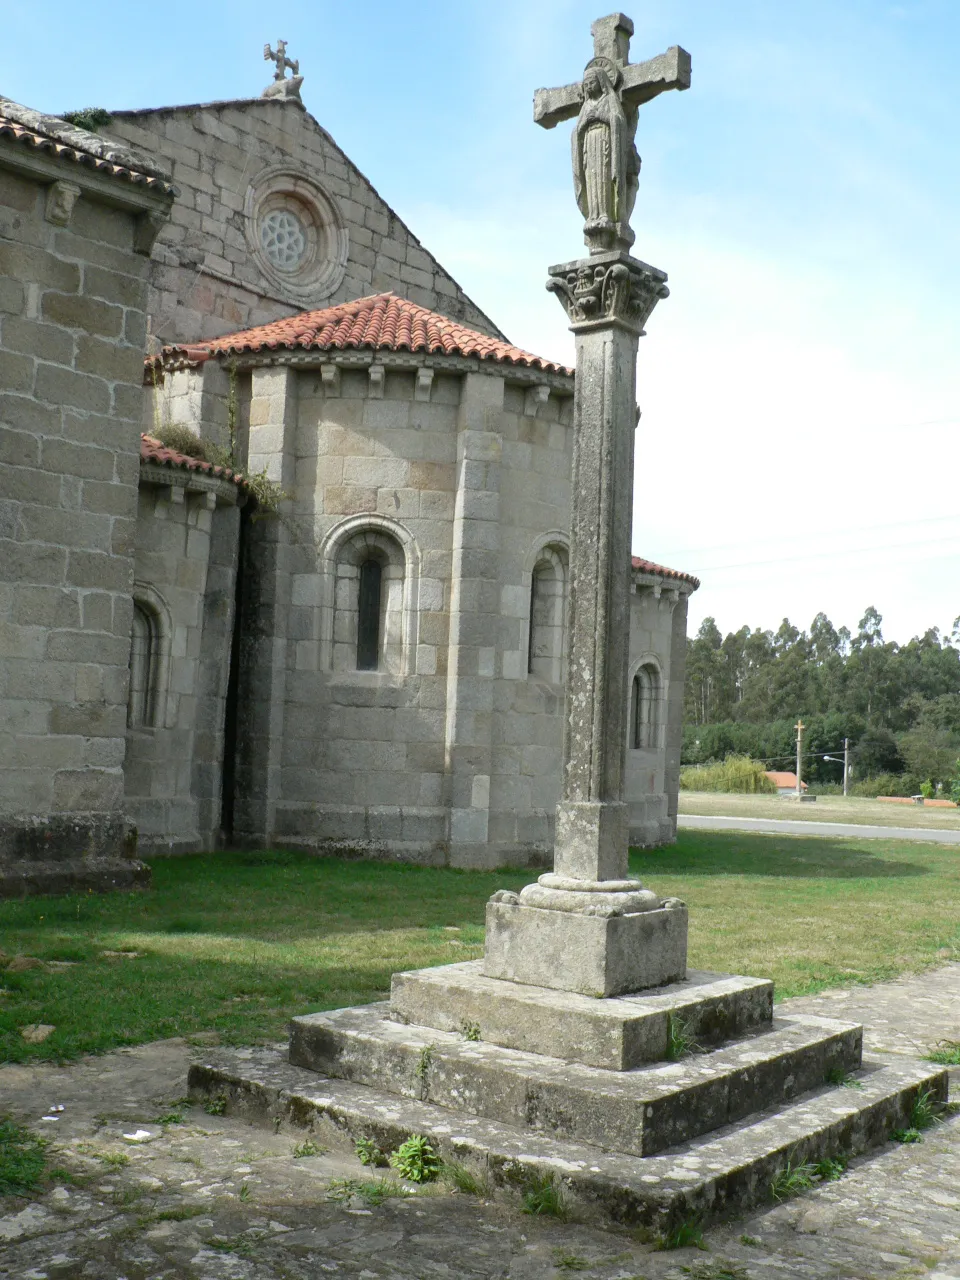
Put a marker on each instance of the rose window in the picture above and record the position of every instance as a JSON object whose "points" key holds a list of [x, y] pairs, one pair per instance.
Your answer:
{"points": [[283, 238]]}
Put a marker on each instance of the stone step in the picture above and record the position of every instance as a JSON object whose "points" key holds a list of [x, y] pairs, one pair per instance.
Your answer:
{"points": [[616, 1033], [709, 1178], [638, 1112]]}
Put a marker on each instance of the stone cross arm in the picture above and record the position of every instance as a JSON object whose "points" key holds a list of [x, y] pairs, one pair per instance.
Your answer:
{"points": [[640, 82]]}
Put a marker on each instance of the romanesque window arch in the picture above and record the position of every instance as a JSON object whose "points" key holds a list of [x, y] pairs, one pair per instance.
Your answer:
{"points": [[546, 646], [370, 574], [143, 694], [645, 699]]}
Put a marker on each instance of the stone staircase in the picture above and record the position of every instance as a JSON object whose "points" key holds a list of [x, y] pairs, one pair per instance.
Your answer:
{"points": [[521, 1084]]}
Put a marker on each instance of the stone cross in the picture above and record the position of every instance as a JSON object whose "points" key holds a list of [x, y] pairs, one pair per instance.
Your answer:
{"points": [[587, 926], [280, 86], [606, 166], [281, 59]]}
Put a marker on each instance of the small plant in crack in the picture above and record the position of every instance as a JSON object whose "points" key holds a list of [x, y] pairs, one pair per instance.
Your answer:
{"points": [[416, 1160], [307, 1148], [686, 1235], [842, 1078], [465, 1180], [792, 1179], [946, 1053], [543, 1195], [369, 1153], [470, 1030], [424, 1062], [680, 1039]]}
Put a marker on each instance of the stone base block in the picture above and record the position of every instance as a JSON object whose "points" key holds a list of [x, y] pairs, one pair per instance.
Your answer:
{"points": [[72, 875], [592, 955], [711, 1177], [638, 1112], [616, 1034]]}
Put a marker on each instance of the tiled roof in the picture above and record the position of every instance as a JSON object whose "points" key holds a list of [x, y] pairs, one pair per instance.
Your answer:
{"points": [[780, 778], [65, 141], [381, 322], [648, 566], [151, 450]]}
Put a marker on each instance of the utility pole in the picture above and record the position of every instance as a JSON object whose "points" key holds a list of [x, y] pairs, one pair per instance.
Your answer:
{"points": [[799, 726], [846, 763]]}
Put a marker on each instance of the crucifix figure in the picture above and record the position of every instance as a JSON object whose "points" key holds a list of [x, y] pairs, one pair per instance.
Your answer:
{"points": [[606, 166]]}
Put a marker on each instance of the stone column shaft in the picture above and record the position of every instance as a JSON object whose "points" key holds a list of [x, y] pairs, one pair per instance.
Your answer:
{"points": [[592, 822]]}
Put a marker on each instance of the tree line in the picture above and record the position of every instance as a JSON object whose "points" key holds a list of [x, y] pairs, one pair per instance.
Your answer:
{"points": [[898, 704]]}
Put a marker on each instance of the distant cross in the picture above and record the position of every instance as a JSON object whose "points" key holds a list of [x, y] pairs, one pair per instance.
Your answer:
{"points": [[606, 166], [281, 59]]}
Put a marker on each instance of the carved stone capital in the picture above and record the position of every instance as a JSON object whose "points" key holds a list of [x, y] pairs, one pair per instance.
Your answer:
{"points": [[608, 288], [61, 197]]}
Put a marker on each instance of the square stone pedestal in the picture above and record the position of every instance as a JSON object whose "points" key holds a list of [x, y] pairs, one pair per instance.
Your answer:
{"points": [[593, 955]]}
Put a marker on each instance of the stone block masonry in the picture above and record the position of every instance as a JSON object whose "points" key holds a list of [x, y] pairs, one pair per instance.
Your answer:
{"points": [[72, 309], [235, 163]]}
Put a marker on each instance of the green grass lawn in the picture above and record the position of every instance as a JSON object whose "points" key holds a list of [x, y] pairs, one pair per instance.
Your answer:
{"points": [[235, 943], [856, 809]]}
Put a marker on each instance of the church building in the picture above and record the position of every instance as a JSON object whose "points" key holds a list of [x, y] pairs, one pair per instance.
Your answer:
{"points": [[348, 575]]}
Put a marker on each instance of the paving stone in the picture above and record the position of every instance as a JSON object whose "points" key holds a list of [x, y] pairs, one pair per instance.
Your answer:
{"points": [[889, 1216]]}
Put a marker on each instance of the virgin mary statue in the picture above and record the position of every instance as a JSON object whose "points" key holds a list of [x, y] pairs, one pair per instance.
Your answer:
{"points": [[605, 161]]}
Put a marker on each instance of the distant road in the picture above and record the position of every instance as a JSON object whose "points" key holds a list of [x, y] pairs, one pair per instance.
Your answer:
{"points": [[784, 826]]}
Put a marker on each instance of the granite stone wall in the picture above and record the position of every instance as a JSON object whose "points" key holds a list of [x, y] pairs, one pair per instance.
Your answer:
{"points": [[235, 164], [186, 559], [72, 333]]}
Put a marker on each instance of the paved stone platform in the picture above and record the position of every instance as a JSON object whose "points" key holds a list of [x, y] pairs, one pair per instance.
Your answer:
{"points": [[213, 1199]]}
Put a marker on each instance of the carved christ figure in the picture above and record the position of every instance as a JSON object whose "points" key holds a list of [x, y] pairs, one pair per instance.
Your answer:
{"points": [[606, 165]]}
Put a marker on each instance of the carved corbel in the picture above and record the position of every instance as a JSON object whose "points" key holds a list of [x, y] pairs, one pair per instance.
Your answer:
{"points": [[533, 399], [377, 375], [424, 384], [330, 377], [146, 229], [61, 197]]}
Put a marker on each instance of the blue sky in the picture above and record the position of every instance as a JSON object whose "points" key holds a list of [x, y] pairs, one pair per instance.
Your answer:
{"points": [[801, 387]]}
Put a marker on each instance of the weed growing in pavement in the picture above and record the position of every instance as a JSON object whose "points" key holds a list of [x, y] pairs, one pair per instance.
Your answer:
{"points": [[792, 1179], [465, 1180], [424, 1061], [830, 1168], [416, 1160], [689, 1234], [840, 1076], [946, 1053], [470, 1030], [307, 1148], [543, 1194], [680, 1041], [564, 1261], [372, 1191], [23, 1159], [369, 1153]]}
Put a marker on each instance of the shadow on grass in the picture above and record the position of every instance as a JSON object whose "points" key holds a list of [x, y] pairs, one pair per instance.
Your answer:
{"points": [[736, 853]]}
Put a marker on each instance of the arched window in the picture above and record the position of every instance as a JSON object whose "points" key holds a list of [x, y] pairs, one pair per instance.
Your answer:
{"points": [[368, 615], [645, 708], [144, 658], [546, 648], [368, 621]]}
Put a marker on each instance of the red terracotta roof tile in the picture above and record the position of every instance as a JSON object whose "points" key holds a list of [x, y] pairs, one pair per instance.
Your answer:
{"points": [[382, 322], [648, 566], [152, 450], [65, 141]]}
